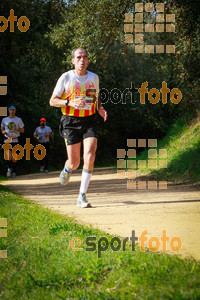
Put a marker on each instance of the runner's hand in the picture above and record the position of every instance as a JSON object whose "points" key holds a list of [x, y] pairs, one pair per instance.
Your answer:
{"points": [[77, 104], [103, 113]]}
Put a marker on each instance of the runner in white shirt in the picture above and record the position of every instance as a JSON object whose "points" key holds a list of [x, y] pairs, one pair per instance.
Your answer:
{"points": [[42, 134], [11, 127], [77, 93]]}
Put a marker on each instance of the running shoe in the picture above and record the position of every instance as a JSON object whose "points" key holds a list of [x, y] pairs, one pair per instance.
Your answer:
{"points": [[9, 172], [64, 177], [13, 175], [41, 169], [82, 201], [46, 171]]}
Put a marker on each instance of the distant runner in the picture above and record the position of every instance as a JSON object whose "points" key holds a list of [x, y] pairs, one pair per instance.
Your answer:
{"points": [[11, 127], [42, 134], [76, 92]]}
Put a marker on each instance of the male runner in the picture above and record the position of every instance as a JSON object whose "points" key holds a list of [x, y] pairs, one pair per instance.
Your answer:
{"points": [[11, 127], [76, 92], [42, 134]]}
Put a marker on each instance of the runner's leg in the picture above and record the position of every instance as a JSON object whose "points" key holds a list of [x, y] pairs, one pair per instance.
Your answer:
{"points": [[73, 153], [42, 162], [9, 156], [72, 163], [46, 159], [89, 150], [14, 164]]}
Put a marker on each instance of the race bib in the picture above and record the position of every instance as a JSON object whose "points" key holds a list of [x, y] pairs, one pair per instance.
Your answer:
{"points": [[88, 102], [13, 134]]}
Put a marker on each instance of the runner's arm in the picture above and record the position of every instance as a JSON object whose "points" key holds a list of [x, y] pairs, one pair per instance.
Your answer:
{"points": [[99, 104], [56, 101], [20, 130], [50, 133], [3, 130], [35, 136], [102, 112]]}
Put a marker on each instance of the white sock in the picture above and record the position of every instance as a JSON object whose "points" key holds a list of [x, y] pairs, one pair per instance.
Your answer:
{"points": [[85, 180]]}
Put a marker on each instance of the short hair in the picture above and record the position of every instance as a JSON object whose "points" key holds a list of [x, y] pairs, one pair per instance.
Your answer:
{"points": [[79, 48]]}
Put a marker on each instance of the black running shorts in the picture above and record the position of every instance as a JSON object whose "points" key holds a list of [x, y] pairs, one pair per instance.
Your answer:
{"points": [[76, 129]]}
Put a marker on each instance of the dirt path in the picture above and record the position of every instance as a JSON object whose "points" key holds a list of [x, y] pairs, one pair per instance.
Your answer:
{"points": [[117, 210]]}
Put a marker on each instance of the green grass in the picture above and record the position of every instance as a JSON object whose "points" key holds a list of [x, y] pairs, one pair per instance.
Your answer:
{"points": [[183, 153], [40, 264], [2, 178]]}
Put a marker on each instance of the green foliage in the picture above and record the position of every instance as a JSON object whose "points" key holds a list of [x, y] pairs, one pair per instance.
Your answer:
{"points": [[33, 61], [32, 65], [183, 152], [95, 25], [187, 57]]}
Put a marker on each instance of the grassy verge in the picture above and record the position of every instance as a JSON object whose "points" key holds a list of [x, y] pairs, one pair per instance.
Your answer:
{"points": [[2, 178], [40, 264], [183, 153]]}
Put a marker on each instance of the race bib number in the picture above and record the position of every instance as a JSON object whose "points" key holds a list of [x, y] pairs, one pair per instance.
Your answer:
{"points": [[13, 134], [88, 102]]}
